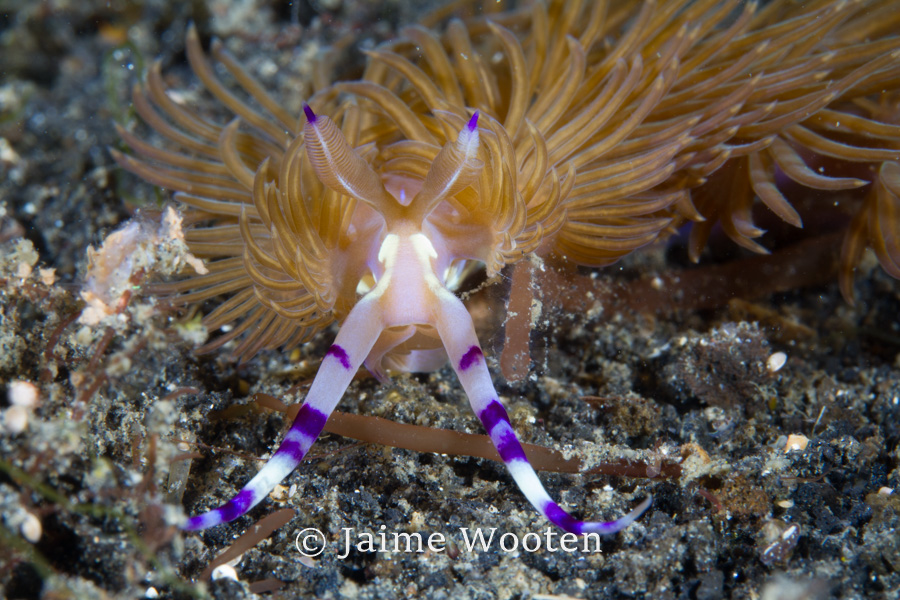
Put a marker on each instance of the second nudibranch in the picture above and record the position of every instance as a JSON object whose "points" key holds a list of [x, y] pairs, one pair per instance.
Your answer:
{"points": [[410, 297]]}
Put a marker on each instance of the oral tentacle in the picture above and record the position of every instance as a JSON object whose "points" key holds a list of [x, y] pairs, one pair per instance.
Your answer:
{"points": [[458, 334], [357, 336]]}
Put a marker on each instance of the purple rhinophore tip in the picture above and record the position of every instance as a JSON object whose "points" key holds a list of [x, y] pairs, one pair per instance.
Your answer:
{"points": [[473, 122], [310, 115]]}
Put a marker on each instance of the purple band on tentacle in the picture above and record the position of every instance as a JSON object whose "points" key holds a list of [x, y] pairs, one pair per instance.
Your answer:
{"points": [[202, 521], [473, 122], [509, 447], [470, 358], [292, 449], [492, 414], [562, 519], [310, 115], [605, 528], [308, 424], [340, 354], [237, 506], [195, 523]]}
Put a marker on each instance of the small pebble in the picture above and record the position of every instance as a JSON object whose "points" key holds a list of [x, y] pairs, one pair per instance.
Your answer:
{"points": [[777, 541], [15, 419], [796, 441], [23, 393], [31, 528], [48, 276]]}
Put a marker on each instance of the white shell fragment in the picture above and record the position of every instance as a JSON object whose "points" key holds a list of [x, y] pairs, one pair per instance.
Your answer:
{"points": [[776, 361], [224, 572]]}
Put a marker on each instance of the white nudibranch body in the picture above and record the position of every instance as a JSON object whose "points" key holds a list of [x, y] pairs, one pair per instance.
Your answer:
{"points": [[411, 305]]}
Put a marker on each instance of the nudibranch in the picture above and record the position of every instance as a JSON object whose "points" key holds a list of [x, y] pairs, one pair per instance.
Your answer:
{"points": [[574, 129]]}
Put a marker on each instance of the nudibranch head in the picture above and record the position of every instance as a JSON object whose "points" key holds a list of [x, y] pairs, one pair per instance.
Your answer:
{"points": [[530, 133]]}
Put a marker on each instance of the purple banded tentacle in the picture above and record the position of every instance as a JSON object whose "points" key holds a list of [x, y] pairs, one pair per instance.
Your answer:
{"points": [[496, 421], [356, 337], [458, 334]]}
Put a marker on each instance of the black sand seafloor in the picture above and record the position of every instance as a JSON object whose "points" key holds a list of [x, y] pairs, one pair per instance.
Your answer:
{"points": [[769, 481]]}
